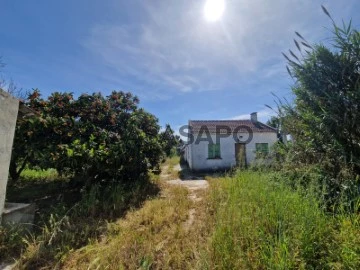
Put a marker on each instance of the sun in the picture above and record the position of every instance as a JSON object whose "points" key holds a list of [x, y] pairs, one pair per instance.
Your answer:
{"points": [[214, 9]]}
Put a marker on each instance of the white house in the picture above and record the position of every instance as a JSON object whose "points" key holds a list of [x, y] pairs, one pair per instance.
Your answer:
{"points": [[223, 144]]}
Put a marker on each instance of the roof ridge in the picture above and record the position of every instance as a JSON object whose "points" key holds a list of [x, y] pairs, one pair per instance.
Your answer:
{"points": [[268, 126], [211, 124]]}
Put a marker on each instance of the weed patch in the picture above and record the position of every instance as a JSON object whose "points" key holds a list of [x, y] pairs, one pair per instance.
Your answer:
{"points": [[260, 224], [72, 227], [153, 237]]}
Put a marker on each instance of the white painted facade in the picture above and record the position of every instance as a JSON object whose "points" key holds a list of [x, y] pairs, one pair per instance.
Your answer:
{"points": [[196, 153]]}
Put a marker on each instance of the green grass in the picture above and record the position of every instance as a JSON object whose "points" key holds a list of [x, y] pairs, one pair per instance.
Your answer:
{"points": [[168, 168], [36, 186], [37, 175], [46, 189], [172, 162], [259, 224], [246, 221]]}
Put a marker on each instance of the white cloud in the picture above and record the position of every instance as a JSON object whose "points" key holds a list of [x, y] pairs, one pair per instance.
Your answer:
{"points": [[263, 115], [173, 49]]}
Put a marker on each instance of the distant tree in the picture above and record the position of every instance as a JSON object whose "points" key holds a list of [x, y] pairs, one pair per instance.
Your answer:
{"points": [[179, 140], [169, 141], [274, 122]]}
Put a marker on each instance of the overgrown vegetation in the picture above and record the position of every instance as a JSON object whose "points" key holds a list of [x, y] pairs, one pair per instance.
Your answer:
{"points": [[170, 141], [324, 118], [69, 227], [250, 220], [153, 237], [169, 170], [263, 224], [11, 241], [84, 162], [95, 139]]}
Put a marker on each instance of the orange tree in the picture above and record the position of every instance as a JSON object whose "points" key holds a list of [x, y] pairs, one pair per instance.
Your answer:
{"points": [[96, 138]]}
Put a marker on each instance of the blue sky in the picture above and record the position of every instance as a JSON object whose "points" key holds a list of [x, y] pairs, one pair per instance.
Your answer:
{"points": [[180, 65]]}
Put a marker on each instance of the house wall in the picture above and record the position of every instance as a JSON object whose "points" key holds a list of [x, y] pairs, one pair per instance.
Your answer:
{"points": [[8, 114], [189, 155], [185, 154], [199, 151]]}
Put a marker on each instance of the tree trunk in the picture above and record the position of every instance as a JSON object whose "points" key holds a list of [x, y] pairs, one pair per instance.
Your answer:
{"points": [[14, 171]]}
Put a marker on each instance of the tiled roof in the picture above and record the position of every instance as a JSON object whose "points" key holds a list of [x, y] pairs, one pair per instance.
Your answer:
{"points": [[240, 125]]}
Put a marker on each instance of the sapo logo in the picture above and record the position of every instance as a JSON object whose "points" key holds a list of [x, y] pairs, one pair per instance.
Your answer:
{"points": [[241, 134]]}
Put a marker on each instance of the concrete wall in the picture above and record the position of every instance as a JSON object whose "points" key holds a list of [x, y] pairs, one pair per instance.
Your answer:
{"points": [[20, 213], [198, 157], [8, 114]]}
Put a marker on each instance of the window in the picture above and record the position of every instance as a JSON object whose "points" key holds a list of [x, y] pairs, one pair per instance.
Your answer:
{"points": [[214, 150], [262, 148]]}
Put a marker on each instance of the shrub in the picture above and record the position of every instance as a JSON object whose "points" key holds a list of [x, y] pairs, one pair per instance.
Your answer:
{"points": [[97, 139], [324, 118]]}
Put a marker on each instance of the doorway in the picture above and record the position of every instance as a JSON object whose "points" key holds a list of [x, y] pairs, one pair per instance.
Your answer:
{"points": [[240, 155]]}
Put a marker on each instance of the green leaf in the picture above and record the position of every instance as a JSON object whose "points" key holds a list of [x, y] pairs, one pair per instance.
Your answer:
{"points": [[70, 152]]}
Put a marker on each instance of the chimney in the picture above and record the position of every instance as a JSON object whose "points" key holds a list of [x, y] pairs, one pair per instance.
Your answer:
{"points": [[253, 117]]}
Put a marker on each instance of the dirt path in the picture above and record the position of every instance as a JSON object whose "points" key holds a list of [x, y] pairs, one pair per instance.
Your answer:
{"points": [[169, 231], [194, 185], [191, 185]]}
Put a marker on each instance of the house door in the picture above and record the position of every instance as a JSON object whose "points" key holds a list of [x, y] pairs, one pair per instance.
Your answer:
{"points": [[240, 155]]}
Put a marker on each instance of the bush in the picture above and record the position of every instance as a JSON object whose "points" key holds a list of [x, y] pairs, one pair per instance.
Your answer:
{"points": [[97, 139], [324, 117]]}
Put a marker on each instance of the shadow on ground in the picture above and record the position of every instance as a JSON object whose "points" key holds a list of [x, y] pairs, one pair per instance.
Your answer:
{"points": [[186, 174], [59, 195]]}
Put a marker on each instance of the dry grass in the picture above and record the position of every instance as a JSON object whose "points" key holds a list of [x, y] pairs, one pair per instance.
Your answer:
{"points": [[244, 221], [153, 237], [169, 171]]}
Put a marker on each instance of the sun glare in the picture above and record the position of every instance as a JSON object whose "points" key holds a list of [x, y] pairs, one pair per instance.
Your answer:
{"points": [[214, 10]]}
